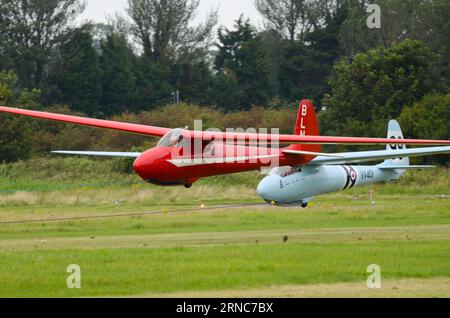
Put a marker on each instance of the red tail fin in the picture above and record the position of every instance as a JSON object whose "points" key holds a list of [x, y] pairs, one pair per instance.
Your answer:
{"points": [[307, 125]]}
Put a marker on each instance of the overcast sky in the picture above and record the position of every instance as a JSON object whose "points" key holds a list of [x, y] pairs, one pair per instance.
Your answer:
{"points": [[229, 10]]}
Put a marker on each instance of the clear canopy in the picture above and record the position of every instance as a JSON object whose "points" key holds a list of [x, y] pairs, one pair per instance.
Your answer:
{"points": [[284, 171], [172, 139]]}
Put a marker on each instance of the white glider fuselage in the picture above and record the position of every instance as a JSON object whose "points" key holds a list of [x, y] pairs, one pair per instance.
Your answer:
{"points": [[285, 186], [299, 185]]}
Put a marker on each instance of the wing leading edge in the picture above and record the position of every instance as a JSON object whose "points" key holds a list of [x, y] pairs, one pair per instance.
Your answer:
{"points": [[99, 123]]}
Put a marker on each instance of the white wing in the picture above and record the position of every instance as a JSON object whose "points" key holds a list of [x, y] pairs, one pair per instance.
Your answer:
{"points": [[365, 156], [99, 153]]}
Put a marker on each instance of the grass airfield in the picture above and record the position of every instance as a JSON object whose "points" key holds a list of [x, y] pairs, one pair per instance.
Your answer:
{"points": [[252, 251]]}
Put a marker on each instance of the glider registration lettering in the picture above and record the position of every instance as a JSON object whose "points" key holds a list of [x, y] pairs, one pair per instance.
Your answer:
{"points": [[302, 124]]}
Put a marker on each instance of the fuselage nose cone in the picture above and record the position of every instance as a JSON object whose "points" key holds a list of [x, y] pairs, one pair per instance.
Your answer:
{"points": [[139, 165], [146, 165], [261, 189], [268, 187], [153, 166]]}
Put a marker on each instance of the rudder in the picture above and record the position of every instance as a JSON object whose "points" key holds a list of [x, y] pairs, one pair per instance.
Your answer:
{"points": [[306, 125], [395, 132]]}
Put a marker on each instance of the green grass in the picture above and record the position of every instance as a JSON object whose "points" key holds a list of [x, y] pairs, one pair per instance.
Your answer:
{"points": [[142, 270], [333, 241], [330, 211]]}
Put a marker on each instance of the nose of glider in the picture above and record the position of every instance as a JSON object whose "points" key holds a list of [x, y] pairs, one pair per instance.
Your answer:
{"points": [[153, 167], [268, 188], [138, 165], [147, 165]]}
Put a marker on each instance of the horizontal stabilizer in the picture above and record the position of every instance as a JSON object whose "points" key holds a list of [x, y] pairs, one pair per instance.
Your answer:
{"points": [[99, 153], [404, 167]]}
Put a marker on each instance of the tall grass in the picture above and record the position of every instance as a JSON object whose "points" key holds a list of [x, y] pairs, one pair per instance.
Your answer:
{"points": [[68, 173], [108, 272], [50, 174]]}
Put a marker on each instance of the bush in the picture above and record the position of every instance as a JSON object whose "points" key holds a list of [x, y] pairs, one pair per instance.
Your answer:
{"points": [[373, 87], [15, 142], [428, 119]]}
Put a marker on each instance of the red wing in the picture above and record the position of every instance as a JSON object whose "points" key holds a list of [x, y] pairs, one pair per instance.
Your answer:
{"points": [[131, 128], [225, 137], [295, 139]]}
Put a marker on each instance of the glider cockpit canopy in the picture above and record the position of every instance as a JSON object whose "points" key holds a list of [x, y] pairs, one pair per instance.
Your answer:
{"points": [[174, 138]]}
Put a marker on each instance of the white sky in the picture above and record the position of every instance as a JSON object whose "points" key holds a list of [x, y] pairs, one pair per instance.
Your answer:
{"points": [[229, 10]]}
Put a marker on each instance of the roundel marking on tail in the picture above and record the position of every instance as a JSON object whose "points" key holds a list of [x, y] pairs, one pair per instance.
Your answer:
{"points": [[351, 177]]}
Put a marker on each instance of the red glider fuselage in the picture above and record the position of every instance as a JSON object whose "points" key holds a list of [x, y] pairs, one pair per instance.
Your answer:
{"points": [[165, 165]]}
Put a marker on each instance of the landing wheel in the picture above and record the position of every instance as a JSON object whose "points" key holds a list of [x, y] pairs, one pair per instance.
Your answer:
{"points": [[304, 205], [188, 185]]}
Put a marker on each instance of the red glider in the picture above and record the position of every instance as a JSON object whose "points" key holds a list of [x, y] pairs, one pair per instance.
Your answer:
{"points": [[184, 156]]}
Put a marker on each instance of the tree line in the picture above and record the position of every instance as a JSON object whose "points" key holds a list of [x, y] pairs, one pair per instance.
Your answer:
{"points": [[316, 49]]}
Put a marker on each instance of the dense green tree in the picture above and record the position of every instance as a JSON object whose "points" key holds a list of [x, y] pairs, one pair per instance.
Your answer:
{"points": [[373, 87], [12, 94], [118, 79], [231, 41], [7, 82], [165, 28], [423, 20], [437, 17], [252, 74], [291, 18], [194, 81], [242, 57], [227, 92], [428, 119], [14, 138], [154, 87], [304, 68], [14, 131], [274, 44], [78, 73], [6, 63], [414, 19], [30, 30]]}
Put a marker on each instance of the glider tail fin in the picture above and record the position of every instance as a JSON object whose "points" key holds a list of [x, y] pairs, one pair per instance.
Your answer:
{"points": [[395, 132], [306, 125]]}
